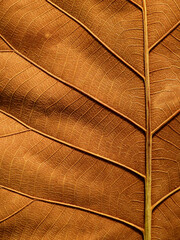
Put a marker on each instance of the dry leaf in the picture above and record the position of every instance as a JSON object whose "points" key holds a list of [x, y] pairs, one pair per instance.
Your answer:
{"points": [[89, 136]]}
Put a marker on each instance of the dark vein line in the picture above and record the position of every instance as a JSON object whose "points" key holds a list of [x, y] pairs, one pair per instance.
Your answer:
{"points": [[166, 121], [78, 89], [164, 36], [75, 147], [1, 51], [76, 207], [12, 134], [167, 141], [97, 38], [19, 210], [165, 197]]}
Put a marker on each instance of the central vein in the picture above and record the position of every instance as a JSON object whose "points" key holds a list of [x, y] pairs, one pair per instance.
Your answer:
{"points": [[148, 212]]}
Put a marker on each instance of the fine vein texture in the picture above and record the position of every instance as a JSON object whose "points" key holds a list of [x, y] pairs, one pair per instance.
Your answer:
{"points": [[89, 119]]}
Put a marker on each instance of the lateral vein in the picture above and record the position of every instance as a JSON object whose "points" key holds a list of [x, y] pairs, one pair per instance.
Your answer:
{"points": [[76, 207], [164, 198], [77, 89], [164, 36], [98, 39], [166, 121], [16, 212], [75, 147]]}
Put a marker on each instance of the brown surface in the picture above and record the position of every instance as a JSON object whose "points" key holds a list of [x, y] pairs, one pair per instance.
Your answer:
{"points": [[42, 220], [166, 219], [72, 120]]}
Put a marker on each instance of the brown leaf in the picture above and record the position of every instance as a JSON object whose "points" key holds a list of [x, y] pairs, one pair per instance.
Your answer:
{"points": [[89, 136]]}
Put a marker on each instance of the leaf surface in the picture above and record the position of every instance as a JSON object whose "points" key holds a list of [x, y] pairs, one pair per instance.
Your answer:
{"points": [[89, 135]]}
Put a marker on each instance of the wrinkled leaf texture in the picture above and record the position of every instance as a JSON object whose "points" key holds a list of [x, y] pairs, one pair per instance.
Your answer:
{"points": [[73, 119]]}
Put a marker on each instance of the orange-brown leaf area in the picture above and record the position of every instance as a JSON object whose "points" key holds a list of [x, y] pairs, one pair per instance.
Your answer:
{"points": [[73, 119]]}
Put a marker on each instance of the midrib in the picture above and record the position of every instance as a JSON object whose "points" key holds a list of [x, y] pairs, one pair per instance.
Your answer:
{"points": [[148, 211]]}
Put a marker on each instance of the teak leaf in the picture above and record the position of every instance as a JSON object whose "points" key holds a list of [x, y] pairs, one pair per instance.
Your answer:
{"points": [[89, 117]]}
